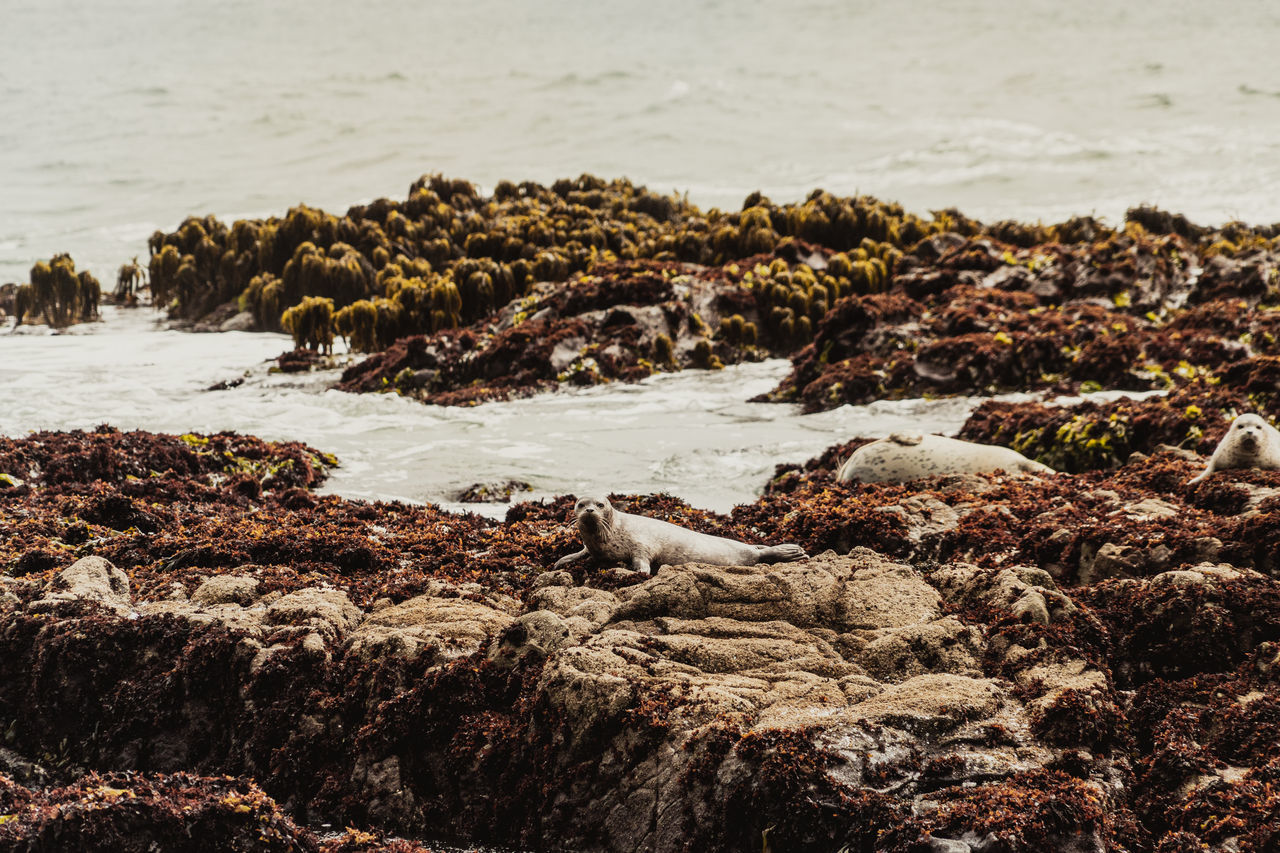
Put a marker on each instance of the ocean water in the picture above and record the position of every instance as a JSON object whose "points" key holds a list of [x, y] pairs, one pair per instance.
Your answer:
{"points": [[123, 116], [690, 434]]}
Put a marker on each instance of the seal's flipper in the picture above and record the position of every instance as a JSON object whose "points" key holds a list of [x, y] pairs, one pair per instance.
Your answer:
{"points": [[1031, 466], [564, 561], [782, 553]]}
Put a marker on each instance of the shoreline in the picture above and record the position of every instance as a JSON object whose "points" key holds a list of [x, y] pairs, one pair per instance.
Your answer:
{"points": [[1083, 659], [225, 551]]}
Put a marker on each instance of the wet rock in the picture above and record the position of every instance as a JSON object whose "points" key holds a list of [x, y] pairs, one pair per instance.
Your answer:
{"points": [[9, 591], [939, 245], [1204, 574], [1149, 509], [1025, 592], [895, 654], [241, 322], [539, 633], [555, 577], [927, 520], [1110, 561], [762, 649], [439, 628], [326, 612], [862, 590], [21, 770], [934, 703], [226, 589], [89, 579], [595, 606]]}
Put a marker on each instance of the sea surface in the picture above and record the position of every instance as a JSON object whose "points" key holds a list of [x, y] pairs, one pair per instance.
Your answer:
{"points": [[690, 434], [119, 117]]}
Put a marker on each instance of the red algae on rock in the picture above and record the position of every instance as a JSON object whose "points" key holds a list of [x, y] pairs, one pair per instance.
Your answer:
{"points": [[1081, 661], [462, 298], [408, 671], [139, 812]]}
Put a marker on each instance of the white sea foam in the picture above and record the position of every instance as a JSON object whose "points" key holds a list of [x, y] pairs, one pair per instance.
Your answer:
{"points": [[690, 434], [1031, 111]]}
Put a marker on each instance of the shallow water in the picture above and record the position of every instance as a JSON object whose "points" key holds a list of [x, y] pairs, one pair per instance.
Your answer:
{"points": [[122, 116], [689, 434]]}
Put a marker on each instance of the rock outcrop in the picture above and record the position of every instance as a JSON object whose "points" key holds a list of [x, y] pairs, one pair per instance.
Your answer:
{"points": [[1082, 662], [648, 716]]}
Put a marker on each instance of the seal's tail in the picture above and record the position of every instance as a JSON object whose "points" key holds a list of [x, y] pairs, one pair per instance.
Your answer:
{"points": [[782, 553]]}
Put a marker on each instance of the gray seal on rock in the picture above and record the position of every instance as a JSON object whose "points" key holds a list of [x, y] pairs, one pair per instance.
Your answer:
{"points": [[1251, 442], [912, 456], [647, 543]]}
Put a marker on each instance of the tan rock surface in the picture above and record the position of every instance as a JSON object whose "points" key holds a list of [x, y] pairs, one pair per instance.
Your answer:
{"points": [[89, 579], [447, 627], [852, 650]]}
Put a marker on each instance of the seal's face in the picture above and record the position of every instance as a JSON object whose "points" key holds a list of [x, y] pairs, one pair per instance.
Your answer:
{"points": [[1249, 430], [593, 513]]}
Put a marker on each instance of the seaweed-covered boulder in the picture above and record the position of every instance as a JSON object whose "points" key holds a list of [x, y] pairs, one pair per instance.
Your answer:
{"points": [[1086, 662], [707, 685], [134, 813]]}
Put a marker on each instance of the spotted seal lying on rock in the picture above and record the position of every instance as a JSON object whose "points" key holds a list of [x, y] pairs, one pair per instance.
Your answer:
{"points": [[1251, 442], [647, 543], [912, 456]]}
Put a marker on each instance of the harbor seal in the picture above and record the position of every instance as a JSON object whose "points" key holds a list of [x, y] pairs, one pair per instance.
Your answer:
{"points": [[1251, 442], [647, 543], [912, 456]]}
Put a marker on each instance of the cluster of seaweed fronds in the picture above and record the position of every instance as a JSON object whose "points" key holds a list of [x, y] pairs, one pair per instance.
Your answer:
{"points": [[57, 294], [446, 236]]}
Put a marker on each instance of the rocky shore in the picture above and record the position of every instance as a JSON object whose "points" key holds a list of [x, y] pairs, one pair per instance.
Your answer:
{"points": [[195, 645], [460, 297]]}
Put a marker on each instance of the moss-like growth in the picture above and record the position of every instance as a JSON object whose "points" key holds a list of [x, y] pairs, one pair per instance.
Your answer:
{"points": [[311, 323], [129, 281], [58, 295], [704, 356], [664, 351]]}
